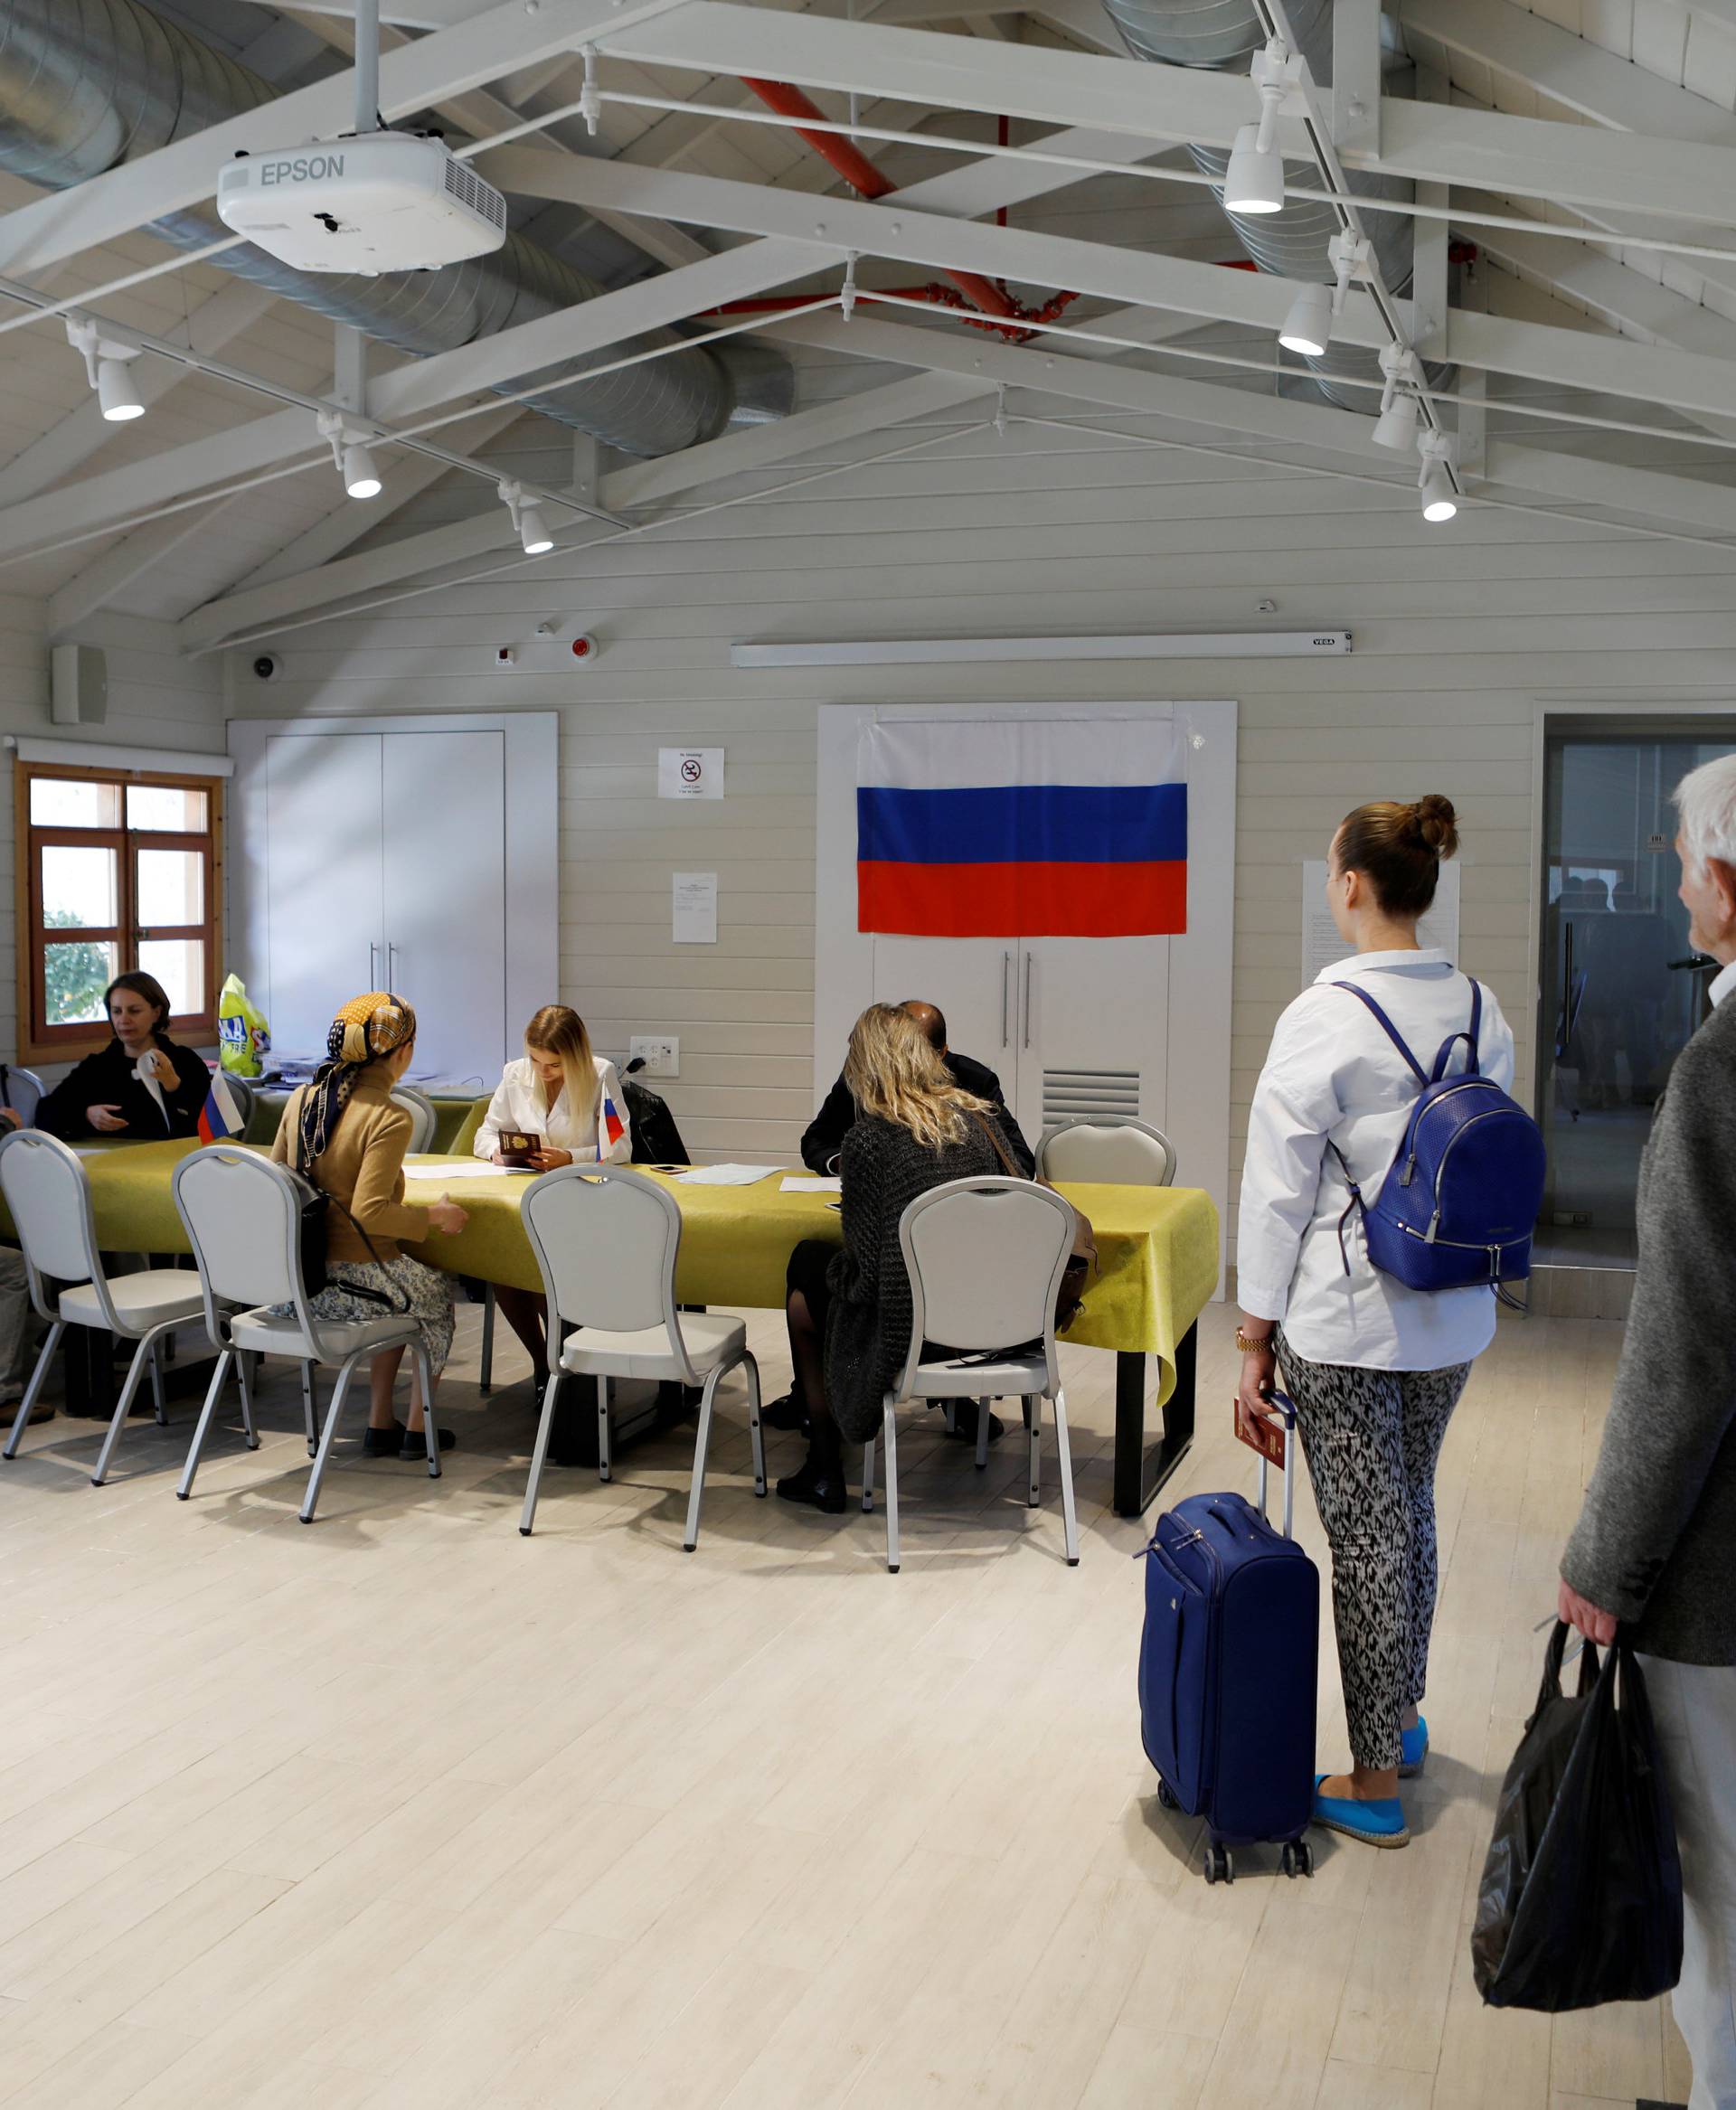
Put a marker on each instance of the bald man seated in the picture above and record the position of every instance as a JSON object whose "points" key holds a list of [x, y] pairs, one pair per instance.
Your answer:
{"points": [[826, 1132]]}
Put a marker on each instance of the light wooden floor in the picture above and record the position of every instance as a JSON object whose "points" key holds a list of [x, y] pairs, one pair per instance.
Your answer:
{"points": [[403, 1811]]}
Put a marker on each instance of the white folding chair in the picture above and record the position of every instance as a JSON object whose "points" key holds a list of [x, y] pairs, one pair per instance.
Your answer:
{"points": [[1110, 1148], [243, 1218], [49, 1196], [985, 1258], [423, 1116], [606, 1239]]}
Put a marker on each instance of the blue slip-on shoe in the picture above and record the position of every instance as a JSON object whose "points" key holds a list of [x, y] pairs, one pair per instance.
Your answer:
{"points": [[1376, 1823], [1413, 1749]]}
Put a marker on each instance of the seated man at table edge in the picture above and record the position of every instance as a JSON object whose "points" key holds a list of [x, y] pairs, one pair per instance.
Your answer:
{"points": [[142, 1087], [825, 1134]]}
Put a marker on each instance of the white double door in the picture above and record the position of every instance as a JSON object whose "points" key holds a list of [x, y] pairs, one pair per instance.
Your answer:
{"points": [[386, 869], [1069, 1024]]}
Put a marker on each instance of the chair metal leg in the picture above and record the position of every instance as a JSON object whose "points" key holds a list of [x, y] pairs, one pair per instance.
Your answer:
{"points": [[982, 1435], [1063, 1453], [755, 1435], [486, 1384], [602, 1429], [135, 1371], [431, 1435], [891, 1431], [213, 1392], [1034, 1424], [308, 1408], [339, 1390], [247, 1368], [156, 1383], [950, 1415], [27, 1405], [701, 1443], [868, 1477], [550, 1394]]}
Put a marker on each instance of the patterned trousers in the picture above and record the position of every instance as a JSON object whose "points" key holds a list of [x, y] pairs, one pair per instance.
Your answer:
{"points": [[1372, 1438]]}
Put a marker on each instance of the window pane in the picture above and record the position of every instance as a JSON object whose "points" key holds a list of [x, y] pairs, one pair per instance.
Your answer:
{"points": [[59, 803], [74, 977], [78, 888], [171, 887], [165, 805], [179, 963]]}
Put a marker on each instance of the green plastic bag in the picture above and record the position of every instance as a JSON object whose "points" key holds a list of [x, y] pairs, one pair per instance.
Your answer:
{"points": [[243, 1038]]}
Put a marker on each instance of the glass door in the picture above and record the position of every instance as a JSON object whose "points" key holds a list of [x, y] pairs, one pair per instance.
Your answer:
{"points": [[1621, 988]]}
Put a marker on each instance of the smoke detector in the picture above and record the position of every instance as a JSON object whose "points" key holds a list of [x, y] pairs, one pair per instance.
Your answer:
{"points": [[371, 202]]}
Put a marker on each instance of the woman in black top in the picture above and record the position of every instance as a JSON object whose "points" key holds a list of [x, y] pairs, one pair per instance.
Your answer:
{"points": [[850, 1311], [142, 1086]]}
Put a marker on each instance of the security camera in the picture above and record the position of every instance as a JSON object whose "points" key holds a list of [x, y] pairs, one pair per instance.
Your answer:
{"points": [[268, 666]]}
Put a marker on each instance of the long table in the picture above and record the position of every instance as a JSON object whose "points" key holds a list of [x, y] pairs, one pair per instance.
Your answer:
{"points": [[1157, 1252]]}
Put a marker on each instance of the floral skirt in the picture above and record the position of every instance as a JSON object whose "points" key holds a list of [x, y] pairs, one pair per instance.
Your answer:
{"points": [[428, 1292]]}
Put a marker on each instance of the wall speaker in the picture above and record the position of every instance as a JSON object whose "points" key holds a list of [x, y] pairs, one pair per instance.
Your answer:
{"points": [[78, 685]]}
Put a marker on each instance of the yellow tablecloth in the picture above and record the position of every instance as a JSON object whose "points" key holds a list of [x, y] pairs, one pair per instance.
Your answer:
{"points": [[1157, 1247]]}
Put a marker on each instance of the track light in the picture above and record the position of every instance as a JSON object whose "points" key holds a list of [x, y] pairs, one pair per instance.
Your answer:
{"points": [[106, 365], [1396, 426], [361, 478], [533, 536], [1254, 180], [1308, 328], [1439, 497]]}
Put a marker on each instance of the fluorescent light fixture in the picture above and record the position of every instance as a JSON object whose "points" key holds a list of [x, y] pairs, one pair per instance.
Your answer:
{"points": [[116, 394], [1308, 328], [1254, 180], [361, 478], [940, 651], [533, 533]]}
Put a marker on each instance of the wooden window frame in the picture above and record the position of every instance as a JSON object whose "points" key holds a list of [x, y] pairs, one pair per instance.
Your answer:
{"points": [[37, 1040]]}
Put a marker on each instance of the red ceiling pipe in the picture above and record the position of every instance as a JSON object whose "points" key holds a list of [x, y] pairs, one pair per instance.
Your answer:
{"points": [[863, 176]]}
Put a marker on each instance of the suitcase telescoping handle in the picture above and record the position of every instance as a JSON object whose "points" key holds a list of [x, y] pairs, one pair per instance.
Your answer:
{"points": [[1286, 1408]]}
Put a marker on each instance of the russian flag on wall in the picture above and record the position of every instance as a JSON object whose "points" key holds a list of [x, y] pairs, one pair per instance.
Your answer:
{"points": [[1021, 827]]}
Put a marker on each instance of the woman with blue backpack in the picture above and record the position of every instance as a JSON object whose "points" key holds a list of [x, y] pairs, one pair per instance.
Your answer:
{"points": [[1389, 1190]]}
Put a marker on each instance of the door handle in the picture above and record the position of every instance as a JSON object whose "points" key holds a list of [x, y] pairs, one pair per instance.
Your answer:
{"points": [[1006, 964], [373, 968], [391, 963], [1028, 971]]}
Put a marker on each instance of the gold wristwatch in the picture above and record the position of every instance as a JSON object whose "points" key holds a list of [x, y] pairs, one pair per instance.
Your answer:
{"points": [[1251, 1344]]}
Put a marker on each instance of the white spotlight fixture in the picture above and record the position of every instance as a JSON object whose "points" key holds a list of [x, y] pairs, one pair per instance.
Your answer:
{"points": [[1254, 180], [106, 364], [1396, 426], [1308, 328], [1439, 498], [533, 536], [351, 455]]}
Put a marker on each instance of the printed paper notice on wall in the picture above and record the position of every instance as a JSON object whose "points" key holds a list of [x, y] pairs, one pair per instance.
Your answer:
{"points": [[690, 772], [696, 908], [1323, 947]]}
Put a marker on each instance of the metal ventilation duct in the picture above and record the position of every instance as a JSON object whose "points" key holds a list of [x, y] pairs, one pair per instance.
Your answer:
{"points": [[1224, 36], [86, 85]]}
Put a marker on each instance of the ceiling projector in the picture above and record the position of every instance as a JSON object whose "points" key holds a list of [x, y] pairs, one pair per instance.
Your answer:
{"points": [[373, 201]]}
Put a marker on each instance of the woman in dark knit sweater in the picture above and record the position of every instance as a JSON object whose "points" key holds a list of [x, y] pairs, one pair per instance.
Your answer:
{"points": [[850, 1311]]}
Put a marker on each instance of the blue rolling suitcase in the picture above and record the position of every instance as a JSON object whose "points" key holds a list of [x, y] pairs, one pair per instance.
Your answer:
{"points": [[1228, 1667]]}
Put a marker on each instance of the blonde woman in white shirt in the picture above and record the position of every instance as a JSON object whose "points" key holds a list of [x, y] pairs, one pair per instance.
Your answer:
{"points": [[571, 1101], [1375, 1368]]}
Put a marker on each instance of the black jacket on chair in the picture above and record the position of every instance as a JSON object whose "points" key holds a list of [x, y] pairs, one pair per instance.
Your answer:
{"points": [[105, 1080], [825, 1134]]}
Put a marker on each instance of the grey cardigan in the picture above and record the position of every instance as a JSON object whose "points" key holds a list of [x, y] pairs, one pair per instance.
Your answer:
{"points": [[1655, 1543]]}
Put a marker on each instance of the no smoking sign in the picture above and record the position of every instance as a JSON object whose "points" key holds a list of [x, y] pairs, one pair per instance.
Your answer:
{"points": [[690, 772]]}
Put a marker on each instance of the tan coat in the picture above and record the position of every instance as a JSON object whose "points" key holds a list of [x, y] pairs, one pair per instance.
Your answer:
{"points": [[363, 1167]]}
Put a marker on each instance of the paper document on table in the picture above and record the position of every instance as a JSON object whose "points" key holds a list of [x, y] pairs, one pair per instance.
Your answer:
{"points": [[470, 1168], [832, 1186], [725, 1175]]}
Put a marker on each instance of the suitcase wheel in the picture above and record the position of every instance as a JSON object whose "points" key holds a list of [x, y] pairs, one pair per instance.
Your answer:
{"points": [[1220, 1864], [1166, 1795], [1297, 1858]]}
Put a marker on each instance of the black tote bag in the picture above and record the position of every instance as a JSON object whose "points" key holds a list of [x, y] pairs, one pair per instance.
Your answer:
{"points": [[1580, 1901]]}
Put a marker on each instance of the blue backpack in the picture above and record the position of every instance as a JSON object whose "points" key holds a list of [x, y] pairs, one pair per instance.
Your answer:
{"points": [[1461, 1195]]}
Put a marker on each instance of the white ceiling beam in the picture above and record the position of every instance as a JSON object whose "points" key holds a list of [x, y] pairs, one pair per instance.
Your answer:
{"points": [[1667, 174], [127, 561], [1652, 374], [1356, 77], [214, 324], [505, 38], [410, 14], [735, 453]]}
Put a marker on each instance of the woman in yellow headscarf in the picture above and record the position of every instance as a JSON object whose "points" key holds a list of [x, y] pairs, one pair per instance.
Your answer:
{"points": [[343, 1133]]}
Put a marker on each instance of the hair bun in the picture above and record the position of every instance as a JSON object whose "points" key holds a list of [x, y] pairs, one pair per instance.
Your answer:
{"points": [[1436, 823]]}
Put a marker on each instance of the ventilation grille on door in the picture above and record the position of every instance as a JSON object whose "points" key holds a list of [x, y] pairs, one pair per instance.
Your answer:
{"points": [[1067, 1094]]}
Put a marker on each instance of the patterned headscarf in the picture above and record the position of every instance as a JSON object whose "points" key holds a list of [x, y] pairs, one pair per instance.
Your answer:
{"points": [[365, 1028]]}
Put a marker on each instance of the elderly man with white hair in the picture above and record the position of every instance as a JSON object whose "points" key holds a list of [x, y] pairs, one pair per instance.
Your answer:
{"points": [[1654, 1549]]}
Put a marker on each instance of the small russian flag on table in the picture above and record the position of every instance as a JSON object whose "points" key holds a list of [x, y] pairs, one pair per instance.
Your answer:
{"points": [[220, 1117], [612, 1130], [1021, 827]]}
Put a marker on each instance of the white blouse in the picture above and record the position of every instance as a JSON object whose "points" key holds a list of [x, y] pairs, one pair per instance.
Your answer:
{"points": [[1333, 1075], [518, 1103]]}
